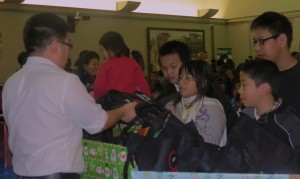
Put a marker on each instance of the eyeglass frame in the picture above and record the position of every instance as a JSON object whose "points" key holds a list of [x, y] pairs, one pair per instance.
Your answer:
{"points": [[70, 45], [255, 42], [184, 80]]}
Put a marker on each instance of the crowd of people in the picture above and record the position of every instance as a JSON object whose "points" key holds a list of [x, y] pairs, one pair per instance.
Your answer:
{"points": [[46, 104]]}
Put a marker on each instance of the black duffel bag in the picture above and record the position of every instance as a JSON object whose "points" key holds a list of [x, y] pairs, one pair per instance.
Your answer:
{"points": [[112, 100], [168, 143]]}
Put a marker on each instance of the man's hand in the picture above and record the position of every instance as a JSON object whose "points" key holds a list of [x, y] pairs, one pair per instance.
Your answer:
{"points": [[128, 112]]}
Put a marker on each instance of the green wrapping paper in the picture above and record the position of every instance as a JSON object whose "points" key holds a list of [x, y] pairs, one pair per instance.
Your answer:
{"points": [[103, 160]]}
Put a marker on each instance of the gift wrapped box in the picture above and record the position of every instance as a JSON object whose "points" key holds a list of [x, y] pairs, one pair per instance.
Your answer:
{"points": [[103, 160]]}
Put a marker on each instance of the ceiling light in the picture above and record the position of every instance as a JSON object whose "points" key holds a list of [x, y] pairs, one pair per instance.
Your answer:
{"points": [[12, 1], [207, 13], [127, 6]]}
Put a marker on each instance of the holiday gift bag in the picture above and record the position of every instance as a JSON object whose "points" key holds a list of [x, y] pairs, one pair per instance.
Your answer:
{"points": [[103, 160]]}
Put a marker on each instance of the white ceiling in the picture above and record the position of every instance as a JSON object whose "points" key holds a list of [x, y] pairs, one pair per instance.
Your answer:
{"points": [[228, 9]]}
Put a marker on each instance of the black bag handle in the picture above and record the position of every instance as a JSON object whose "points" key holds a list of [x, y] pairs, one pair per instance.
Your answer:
{"points": [[129, 160]]}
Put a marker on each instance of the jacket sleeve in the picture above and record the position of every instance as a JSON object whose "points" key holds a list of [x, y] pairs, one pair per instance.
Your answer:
{"points": [[211, 123], [100, 83], [290, 122], [142, 83]]}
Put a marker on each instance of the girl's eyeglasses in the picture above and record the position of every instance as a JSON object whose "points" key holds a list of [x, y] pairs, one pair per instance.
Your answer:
{"points": [[184, 80]]}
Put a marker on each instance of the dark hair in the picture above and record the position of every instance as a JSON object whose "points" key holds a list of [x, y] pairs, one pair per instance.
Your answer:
{"points": [[78, 61], [22, 58], [208, 85], [81, 53], [294, 53], [263, 71], [276, 23], [203, 75], [114, 42], [68, 66], [138, 57], [178, 47], [84, 60], [225, 60], [41, 29]]}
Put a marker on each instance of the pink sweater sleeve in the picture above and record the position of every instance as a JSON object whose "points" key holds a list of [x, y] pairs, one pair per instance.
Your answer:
{"points": [[100, 83], [142, 83]]}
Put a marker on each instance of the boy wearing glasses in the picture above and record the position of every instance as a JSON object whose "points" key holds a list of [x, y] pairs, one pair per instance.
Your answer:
{"points": [[272, 37]]}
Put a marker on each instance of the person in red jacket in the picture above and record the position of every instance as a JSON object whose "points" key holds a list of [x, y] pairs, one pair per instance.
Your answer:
{"points": [[119, 71]]}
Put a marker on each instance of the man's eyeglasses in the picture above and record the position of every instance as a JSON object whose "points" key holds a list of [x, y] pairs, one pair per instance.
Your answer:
{"points": [[184, 80], [66, 43], [262, 41]]}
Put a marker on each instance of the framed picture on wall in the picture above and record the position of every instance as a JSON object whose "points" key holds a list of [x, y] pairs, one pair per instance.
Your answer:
{"points": [[156, 37]]}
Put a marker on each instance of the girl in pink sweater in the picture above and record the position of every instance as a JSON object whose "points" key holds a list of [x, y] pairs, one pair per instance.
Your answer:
{"points": [[119, 71]]}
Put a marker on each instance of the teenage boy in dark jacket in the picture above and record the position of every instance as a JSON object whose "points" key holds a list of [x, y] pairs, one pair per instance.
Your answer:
{"points": [[272, 34], [266, 137], [260, 80]]}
